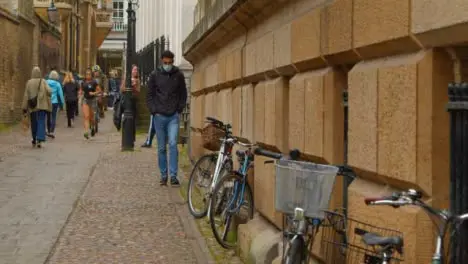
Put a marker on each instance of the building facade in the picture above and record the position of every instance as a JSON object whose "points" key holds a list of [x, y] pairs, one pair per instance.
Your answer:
{"points": [[112, 49], [30, 39], [170, 18], [83, 24], [277, 70]]}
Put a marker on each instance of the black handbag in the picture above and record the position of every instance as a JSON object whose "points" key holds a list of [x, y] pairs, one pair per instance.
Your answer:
{"points": [[118, 111], [32, 103]]}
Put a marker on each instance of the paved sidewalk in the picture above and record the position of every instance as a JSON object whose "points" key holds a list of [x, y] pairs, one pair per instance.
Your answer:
{"points": [[86, 202]]}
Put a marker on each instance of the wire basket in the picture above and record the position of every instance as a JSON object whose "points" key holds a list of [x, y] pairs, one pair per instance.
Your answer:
{"points": [[211, 136], [342, 244], [305, 185]]}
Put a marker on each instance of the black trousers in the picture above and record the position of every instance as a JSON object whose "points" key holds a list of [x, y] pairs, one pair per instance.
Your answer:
{"points": [[72, 108]]}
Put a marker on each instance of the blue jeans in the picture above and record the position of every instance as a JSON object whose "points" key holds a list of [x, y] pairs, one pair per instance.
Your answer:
{"points": [[52, 118], [151, 132], [38, 125], [167, 133]]}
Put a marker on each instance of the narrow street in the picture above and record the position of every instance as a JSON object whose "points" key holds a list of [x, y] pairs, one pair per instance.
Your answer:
{"points": [[77, 201]]}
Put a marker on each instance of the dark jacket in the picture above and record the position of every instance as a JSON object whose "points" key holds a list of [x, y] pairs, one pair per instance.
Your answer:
{"points": [[167, 92], [70, 90], [114, 85]]}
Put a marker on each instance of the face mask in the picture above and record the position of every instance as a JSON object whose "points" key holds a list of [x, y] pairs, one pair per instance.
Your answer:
{"points": [[167, 67]]}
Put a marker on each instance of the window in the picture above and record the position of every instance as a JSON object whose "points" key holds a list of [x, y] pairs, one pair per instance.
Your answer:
{"points": [[118, 6]]}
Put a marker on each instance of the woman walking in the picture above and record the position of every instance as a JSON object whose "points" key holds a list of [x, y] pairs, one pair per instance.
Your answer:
{"points": [[70, 89], [36, 102], [57, 102], [89, 92], [135, 83]]}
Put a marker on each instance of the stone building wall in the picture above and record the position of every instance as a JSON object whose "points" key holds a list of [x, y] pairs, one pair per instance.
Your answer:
{"points": [[280, 83], [15, 62]]}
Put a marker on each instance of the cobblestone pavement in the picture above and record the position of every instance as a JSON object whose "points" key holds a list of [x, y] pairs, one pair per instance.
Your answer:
{"points": [[86, 202]]}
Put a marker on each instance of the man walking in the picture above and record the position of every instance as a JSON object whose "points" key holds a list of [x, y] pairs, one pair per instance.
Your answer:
{"points": [[167, 96]]}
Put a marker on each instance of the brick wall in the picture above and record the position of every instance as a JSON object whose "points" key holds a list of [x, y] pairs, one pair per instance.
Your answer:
{"points": [[14, 69]]}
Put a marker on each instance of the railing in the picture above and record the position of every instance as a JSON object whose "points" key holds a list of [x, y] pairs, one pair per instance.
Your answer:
{"points": [[55, 1], [119, 25], [458, 109]]}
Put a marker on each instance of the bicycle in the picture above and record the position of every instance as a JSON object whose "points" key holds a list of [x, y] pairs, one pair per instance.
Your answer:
{"points": [[94, 126], [413, 197], [229, 198], [222, 162], [303, 190]]}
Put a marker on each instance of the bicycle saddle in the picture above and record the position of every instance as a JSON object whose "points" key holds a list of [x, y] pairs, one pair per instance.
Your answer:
{"points": [[396, 242]]}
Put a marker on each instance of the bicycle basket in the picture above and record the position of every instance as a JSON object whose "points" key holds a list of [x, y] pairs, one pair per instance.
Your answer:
{"points": [[342, 242], [305, 185], [211, 136]]}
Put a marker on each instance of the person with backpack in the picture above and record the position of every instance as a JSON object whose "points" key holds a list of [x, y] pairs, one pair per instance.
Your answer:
{"points": [[37, 103], [57, 101]]}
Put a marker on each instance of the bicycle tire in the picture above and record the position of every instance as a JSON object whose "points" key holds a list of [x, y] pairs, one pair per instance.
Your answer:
{"points": [[213, 157], [96, 126], [219, 185], [295, 253]]}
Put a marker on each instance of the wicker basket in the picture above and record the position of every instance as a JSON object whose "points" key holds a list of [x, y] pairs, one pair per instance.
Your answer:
{"points": [[211, 136]]}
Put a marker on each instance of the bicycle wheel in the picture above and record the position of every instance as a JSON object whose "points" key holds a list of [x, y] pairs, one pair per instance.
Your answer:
{"points": [[224, 202], [199, 184], [296, 252], [96, 125]]}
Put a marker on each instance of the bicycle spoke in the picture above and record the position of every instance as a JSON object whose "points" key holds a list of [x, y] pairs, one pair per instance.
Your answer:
{"points": [[227, 224]]}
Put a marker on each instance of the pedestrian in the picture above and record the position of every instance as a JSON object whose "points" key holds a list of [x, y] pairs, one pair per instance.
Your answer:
{"points": [[167, 97], [135, 87], [37, 102], [114, 89], [102, 82], [88, 94], [57, 102], [70, 88]]}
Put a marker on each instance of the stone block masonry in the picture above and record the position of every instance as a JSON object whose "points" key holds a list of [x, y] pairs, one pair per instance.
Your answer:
{"points": [[286, 72]]}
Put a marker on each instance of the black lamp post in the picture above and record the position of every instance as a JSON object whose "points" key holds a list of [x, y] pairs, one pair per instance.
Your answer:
{"points": [[128, 121], [52, 13]]}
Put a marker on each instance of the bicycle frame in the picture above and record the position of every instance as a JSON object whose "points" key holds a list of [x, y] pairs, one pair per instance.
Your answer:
{"points": [[447, 219], [242, 171], [223, 157], [413, 198]]}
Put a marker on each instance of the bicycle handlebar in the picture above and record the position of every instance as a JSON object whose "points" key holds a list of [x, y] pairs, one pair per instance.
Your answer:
{"points": [[218, 123], [247, 145], [295, 155], [410, 197], [267, 153]]}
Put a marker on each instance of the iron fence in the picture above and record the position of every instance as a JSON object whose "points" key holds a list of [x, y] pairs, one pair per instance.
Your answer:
{"points": [[149, 59]]}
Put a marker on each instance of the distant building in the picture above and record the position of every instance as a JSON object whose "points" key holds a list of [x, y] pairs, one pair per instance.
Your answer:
{"points": [[112, 49], [30, 38], [170, 18]]}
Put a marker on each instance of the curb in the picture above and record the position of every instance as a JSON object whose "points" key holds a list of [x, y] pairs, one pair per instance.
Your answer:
{"points": [[200, 248]]}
